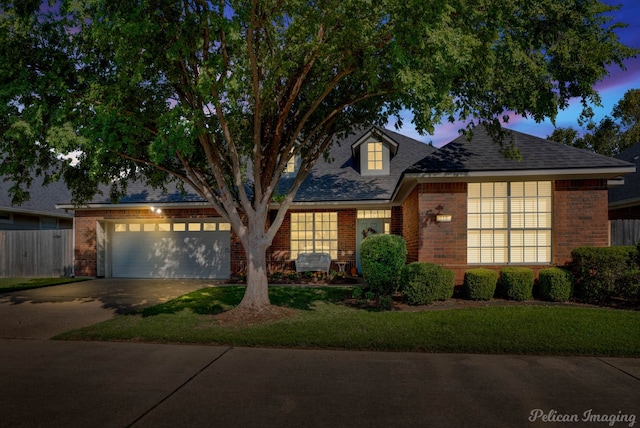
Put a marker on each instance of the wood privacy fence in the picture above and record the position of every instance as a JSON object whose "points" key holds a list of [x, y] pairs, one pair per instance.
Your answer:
{"points": [[36, 253], [624, 232]]}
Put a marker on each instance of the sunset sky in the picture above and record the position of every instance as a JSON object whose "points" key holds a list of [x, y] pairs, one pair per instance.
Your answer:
{"points": [[611, 88]]}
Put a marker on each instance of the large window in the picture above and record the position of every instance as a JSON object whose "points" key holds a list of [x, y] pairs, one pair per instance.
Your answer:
{"points": [[314, 233], [509, 222]]}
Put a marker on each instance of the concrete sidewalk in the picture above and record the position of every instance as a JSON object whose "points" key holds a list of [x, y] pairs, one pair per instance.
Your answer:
{"points": [[86, 384]]}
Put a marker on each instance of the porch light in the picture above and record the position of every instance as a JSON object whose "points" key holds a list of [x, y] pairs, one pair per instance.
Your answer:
{"points": [[155, 210], [443, 218]]}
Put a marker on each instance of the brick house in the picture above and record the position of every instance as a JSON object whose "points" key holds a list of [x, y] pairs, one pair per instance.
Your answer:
{"points": [[463, 205]]}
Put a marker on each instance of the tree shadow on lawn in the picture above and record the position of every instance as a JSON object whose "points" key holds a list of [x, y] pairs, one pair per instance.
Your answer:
{"points": [[215, 300]]}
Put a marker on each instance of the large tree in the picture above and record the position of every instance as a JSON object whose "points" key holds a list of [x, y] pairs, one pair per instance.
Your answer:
{"points": [[220, 94], [612, 135]]}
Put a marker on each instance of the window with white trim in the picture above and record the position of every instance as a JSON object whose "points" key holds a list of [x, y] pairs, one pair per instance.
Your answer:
{"points": [[509, 222], [314, 233]]}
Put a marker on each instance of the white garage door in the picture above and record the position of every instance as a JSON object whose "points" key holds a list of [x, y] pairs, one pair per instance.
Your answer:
{"points": [[176, 249]]}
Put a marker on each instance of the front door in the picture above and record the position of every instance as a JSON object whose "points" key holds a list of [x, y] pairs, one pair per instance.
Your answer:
{"points": [[366, 227]]}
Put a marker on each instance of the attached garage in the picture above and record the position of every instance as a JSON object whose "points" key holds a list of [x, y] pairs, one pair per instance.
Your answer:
{"points": [[168, 249]]}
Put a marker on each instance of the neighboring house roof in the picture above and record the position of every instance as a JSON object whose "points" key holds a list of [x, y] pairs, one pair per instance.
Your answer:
{"points": [[482, 157], [629, 193], [42, 201]]}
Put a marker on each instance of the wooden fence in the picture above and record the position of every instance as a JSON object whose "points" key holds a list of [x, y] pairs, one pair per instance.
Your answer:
{"points": [[36, 253], [624, 232]]}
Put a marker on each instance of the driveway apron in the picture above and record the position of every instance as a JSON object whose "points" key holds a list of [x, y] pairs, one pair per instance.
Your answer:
{"points": [[45, 312]]}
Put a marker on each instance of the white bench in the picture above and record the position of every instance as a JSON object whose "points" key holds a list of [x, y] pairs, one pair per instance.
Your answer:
{"points": [[313, 262]]}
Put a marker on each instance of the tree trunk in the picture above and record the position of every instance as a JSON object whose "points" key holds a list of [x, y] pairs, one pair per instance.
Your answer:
{"points": [[256, 296]]}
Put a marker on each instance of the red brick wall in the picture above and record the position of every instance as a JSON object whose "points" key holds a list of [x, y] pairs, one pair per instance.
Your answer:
{"points": [[443, 243], [411, 226], [580, 216]]}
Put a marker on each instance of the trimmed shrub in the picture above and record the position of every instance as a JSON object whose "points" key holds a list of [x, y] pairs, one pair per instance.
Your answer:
{"points": [[422, 283], [382, 258], [598, 271], [630, 287], [480, 284], [555, 284], [517, 283]]}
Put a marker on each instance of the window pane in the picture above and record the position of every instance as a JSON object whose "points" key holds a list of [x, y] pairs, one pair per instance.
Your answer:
{"points": [[179, 227], [544, 188], [473, 238], [473, 221], [209, 227], [194, 227], [473, 255], [500, 189], [473, 190], [149, 227], [225, 227], [501, 221], [164, 227], [134, 227]]}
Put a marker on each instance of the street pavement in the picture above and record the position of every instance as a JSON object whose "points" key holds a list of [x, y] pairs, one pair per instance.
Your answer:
{"points": [[49, 383]]}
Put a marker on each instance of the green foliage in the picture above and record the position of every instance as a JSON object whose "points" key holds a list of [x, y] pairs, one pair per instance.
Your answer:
{"points": [[598, 271], [611, 135], [555, 284], [480, 284], [422, 283], [382, 257], [517, 283], [630, 287]]}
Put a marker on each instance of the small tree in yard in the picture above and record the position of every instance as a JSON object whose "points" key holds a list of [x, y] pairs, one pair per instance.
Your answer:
{"points": [[220, 94]]}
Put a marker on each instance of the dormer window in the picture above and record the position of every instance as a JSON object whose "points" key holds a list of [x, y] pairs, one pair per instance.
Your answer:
{"points": [[292, 165], [373, 152]]}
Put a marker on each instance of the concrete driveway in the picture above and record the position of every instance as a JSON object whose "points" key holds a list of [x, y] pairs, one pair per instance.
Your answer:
{"points": [[45, 312]]}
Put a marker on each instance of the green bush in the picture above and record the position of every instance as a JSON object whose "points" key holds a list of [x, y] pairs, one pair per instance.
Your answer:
{"points": [[555, 284], [480, 284], [422, 283], [382, 258], [517, 283], [630, 287], [598, 271]]}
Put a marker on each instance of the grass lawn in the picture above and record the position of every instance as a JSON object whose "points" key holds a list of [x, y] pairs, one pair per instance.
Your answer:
{"points": [[16, 284], [323, 321]]}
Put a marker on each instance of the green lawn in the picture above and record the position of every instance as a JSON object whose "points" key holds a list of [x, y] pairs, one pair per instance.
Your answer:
{"points": [[323, 321], [16, 284]]}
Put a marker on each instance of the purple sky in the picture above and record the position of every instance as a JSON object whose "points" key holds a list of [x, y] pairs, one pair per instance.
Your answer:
{"points": [[611, 88]]}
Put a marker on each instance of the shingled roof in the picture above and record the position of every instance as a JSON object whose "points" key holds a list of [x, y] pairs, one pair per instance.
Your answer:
{"points": [[482, 155], [42, 199], [340, 180]]}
